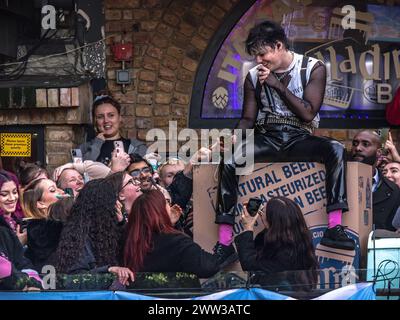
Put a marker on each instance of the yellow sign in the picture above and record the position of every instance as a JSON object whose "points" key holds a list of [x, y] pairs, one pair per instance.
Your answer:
{"points": [[15, 144]]}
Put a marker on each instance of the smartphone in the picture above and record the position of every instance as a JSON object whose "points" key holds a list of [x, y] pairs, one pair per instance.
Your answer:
{"points": [[23, 225], [119, 146], [253, 206], [124, 213], [225, 139], [154, 164], [76, 155], [69, 191], [384, 136]]}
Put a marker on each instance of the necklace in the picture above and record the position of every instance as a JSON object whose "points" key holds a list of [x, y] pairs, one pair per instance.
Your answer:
{"points": [[283, 75]]}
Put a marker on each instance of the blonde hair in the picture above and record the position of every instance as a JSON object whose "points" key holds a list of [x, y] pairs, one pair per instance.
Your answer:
{"points": [[170, 162], [30, 197]]}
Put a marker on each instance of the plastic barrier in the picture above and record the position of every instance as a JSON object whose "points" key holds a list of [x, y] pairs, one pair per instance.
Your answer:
{"points": [[360, 291]]}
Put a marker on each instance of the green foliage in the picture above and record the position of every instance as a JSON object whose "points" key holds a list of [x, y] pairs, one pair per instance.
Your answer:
{"points": [[163, 280], [86, 281]]}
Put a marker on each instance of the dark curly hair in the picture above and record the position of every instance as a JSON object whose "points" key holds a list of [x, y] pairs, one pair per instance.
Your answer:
{"points": [[93, 215]]}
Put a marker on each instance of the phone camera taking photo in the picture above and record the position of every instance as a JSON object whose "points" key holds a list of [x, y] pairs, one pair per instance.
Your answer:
{"points": [[69, 191], [118, 146], [254, 206]]}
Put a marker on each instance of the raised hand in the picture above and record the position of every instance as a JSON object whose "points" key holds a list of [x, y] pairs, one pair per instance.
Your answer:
{"points": [[118, 207], [57, 171], [119, 161], [22, 235], [393, 154], [175, 213], [263, 73], [247, 220], [101, 136]]}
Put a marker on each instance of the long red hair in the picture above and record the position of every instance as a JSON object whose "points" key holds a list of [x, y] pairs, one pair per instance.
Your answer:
{"points": [[148, 216]]}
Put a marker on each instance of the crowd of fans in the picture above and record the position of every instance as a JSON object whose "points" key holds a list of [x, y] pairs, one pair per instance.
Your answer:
{"points": [[115, 212]]}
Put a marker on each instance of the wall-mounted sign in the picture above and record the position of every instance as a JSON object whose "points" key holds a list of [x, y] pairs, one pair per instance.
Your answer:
{"points": [[15, 144]]}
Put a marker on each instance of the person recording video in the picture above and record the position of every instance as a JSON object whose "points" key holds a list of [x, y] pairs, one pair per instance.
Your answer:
{"points": [[71, 181], [284, 245]]}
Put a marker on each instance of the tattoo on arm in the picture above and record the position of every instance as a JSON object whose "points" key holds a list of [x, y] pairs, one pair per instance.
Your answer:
{"points": [[302, 108], [283, 92], [306, 104]]}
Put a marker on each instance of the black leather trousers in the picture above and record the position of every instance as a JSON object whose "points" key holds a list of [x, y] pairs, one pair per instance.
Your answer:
{"points": [[285, 143]]}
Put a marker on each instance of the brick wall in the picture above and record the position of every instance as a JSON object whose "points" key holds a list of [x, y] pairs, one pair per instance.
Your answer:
{"points": [[59, 140], [62, 125], [169, 39]]}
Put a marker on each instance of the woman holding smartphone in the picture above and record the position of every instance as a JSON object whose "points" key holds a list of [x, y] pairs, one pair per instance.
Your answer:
{"points": [[107, 119], [284, 245]]}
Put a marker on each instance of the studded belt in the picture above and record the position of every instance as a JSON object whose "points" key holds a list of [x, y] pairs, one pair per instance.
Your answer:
{"points": [[295, 122]]}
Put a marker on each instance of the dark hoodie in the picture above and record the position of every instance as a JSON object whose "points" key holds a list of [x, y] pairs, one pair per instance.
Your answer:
{"points": [[12, 250], [43, 239]]}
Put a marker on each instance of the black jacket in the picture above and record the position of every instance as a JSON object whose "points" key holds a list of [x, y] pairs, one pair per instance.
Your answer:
{"points": [[85, 274], [386, 200], [276, 267], [181, 189], [86, 261], [253, 258], [12, 250], [178, 253], [43, 238]]}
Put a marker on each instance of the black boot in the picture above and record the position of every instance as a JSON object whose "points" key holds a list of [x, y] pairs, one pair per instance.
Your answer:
{"points": [[337, 238], [225, 254]]}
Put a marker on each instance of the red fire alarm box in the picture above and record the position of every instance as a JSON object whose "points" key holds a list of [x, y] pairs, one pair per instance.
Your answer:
{"points": [[122, 51]]}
